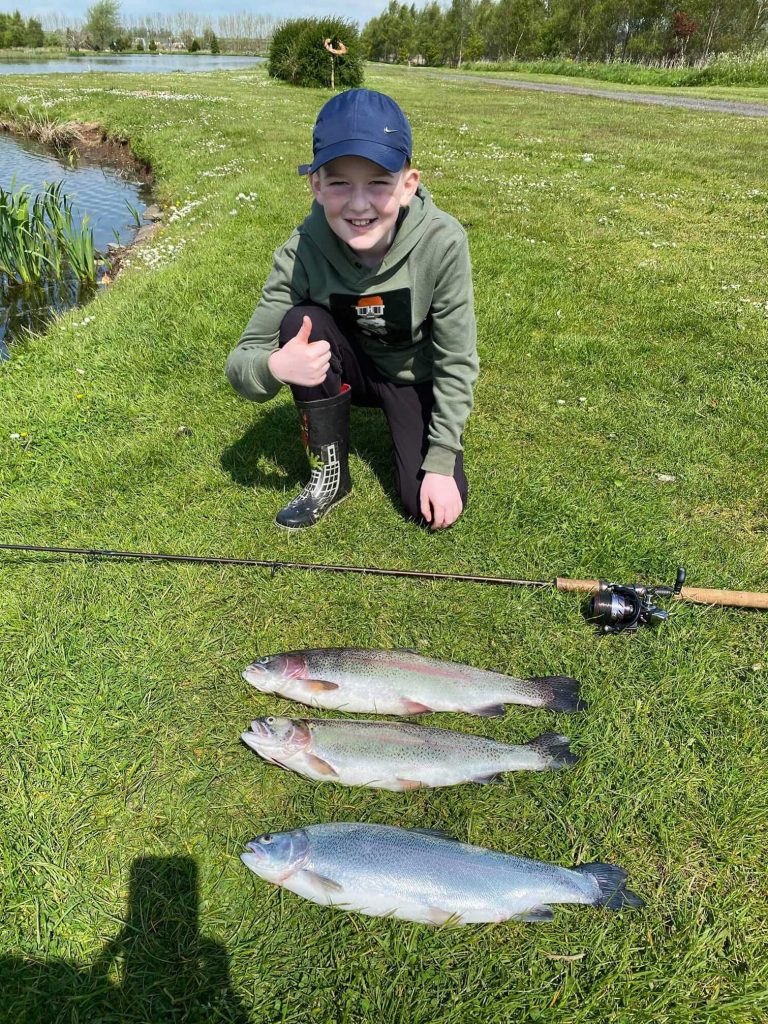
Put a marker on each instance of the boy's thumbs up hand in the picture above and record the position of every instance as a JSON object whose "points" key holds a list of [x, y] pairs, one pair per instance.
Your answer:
{"points": [[301, 361]]}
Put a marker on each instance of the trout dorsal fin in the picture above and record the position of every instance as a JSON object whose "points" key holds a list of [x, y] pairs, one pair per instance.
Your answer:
{"points": [[438, 833]]}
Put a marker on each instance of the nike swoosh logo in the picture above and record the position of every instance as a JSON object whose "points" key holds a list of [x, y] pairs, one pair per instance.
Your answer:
{"points": [[390, 130]]}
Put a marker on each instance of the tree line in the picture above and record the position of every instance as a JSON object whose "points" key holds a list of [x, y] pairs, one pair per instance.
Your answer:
{"points": [[14, 31], [604, 30], [105, 28]]}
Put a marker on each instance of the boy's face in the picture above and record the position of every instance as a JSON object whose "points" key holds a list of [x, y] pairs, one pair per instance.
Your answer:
{"points": [[361, 201]]}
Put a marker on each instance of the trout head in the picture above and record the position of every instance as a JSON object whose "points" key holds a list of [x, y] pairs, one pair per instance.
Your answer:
{"points": [[269, 674], [277, 855], [274, 736]]}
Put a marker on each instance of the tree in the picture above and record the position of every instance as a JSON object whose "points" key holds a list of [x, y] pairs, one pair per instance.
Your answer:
{"points": [[102, 23], [430, 34], [214, 47], [34, 34], [459, 24], [298, 53], [152, 46], [15, 32]]}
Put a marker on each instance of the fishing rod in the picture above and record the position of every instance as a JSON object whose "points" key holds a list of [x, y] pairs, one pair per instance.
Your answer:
{"points": [[614, 607]]}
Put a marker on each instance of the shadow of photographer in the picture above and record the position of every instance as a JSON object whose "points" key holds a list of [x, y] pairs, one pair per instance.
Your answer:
{"points": [[158, 969]]}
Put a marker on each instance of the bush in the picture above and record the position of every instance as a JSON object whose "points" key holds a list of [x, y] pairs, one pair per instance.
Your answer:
{"points": [[297, 54]]}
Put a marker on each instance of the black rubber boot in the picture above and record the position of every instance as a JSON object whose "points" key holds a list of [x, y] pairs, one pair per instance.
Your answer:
{"points": [[325, 432]]}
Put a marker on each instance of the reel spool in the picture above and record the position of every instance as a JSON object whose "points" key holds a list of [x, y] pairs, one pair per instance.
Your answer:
{"points": [[620, 608]]}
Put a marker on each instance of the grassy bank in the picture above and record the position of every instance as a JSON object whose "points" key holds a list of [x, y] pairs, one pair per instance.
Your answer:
{"points": [[745, 69], [619, 259]]}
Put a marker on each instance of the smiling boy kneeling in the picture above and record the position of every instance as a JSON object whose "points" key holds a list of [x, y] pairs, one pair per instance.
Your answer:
{"points": [[369, 301]]}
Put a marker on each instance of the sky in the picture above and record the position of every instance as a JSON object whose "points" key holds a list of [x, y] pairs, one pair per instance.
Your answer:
{"points": [[133, 10]]}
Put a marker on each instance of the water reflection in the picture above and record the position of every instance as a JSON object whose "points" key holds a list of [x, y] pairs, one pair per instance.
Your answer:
{"points": [[105, 194], [135, 62]]}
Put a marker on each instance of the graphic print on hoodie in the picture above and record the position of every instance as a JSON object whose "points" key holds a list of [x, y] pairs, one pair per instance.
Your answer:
{"points": [[385, 316]]}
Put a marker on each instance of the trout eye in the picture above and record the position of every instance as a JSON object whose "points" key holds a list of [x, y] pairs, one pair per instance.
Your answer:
{"points": [[271, 720], [266, 838]]}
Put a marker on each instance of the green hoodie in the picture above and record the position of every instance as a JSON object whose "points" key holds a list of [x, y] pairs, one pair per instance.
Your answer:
{"points": [[413, 315]]}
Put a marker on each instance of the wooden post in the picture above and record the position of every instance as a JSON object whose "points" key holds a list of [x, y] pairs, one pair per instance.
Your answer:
{"points": [[335, 51]]}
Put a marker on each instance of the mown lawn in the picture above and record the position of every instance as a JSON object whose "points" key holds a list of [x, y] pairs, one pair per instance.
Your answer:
{"points": [[622, 303]]}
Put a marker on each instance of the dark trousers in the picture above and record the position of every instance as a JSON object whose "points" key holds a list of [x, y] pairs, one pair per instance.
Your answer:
{"points": [[407, 407]]}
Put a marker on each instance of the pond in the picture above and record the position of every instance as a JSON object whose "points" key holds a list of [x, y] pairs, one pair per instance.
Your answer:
{"points": [[102, 192], [133, 62]]}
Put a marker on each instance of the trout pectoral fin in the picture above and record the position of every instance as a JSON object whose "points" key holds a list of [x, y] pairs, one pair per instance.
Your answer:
{"points": [[413, 707], [321, 766], [489, 780], [322, 881], [439, 833], [542, 913], [490, 711], [319, 685], [410, 784], [439, 916]]}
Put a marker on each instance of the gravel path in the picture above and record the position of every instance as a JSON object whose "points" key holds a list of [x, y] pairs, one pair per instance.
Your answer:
{"points": [[689, 102]]}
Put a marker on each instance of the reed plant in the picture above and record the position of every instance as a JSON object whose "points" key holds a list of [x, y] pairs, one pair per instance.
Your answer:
{"points": [[749, 67], [39, 238]]}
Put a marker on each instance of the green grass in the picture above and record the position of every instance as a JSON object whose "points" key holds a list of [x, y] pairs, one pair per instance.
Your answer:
{"points": [[634, 280], [728, 69]]}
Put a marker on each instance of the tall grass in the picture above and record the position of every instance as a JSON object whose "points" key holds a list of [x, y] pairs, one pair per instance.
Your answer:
{"points": [[746, 68], [39, 239]]}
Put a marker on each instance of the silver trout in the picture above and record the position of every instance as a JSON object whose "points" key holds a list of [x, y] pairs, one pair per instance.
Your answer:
{"points": [[397, 755], [402, 682], [426, 876]]}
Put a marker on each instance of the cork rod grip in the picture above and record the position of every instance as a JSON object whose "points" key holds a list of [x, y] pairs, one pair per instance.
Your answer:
{"points": [[564, 585], [728, 598]]}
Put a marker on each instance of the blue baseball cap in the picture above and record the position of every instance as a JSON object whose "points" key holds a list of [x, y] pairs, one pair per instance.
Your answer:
{"points": [[360, 122]]}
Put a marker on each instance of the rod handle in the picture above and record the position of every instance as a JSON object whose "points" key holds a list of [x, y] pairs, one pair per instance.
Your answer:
{"points": [[564, 585], [728, 598]]}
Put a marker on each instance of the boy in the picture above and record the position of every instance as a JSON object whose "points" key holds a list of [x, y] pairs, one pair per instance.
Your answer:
{"points": [[369, 301]]}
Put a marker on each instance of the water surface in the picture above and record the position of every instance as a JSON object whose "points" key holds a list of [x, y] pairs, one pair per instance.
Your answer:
{"points": [[101, 192], [132, 62]]}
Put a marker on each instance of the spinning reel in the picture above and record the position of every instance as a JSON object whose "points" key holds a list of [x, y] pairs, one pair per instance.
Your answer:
{"points": [[617, 608]]}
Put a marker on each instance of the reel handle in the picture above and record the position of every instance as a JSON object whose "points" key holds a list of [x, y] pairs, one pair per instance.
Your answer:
{"points": [[696, 595], [727, 598]]}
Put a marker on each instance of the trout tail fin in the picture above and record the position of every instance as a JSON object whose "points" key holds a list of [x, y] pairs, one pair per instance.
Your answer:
{"points": [[612, 884], [560, 693], [554, 751]]}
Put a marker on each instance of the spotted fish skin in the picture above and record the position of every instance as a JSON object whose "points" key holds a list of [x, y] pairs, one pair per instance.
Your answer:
{"points": [[402, 682], [397, 755], [421, 876]]}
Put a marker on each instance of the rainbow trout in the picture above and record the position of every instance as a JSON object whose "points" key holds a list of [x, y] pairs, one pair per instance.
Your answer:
{"points": [[397, 755], [426, 876], [402, 682]]}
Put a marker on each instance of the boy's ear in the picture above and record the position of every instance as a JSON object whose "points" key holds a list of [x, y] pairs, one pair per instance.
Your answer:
{"points": [[411, 179], [314, 183]]}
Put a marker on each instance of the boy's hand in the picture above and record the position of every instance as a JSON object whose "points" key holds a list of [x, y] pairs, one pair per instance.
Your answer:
{"points": [[301, 361], [441, 503]]}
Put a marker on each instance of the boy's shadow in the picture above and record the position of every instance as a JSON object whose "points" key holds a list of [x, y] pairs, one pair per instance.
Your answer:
{"points": [[270, 453], [157, 969]]}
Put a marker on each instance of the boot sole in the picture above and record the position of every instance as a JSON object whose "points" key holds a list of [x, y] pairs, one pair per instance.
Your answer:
{"points": [[298, 529]]}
